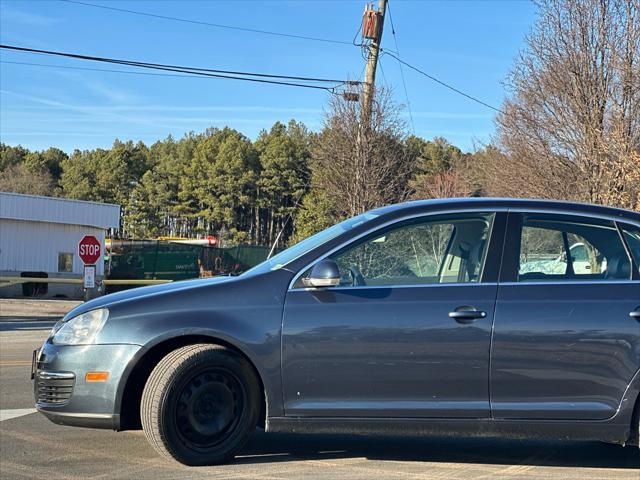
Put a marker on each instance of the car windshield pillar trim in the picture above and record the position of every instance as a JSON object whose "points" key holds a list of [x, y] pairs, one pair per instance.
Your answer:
{"points": [[490, 210]]}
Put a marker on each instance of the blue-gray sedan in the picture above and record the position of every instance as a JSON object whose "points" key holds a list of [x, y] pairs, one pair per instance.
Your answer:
{"points": [[465, 317]]}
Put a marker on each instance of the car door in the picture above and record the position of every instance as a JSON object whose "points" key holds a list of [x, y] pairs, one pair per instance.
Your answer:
{"points": [[383, 343], [566, 343]]}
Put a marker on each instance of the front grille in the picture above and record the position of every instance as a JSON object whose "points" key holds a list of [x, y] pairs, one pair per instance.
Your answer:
{"points": [[54, 387]]}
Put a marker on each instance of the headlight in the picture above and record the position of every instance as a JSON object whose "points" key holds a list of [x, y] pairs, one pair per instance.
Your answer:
{"points": [[80, 330]]}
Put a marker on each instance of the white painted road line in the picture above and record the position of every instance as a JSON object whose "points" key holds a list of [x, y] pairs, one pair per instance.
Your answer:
{"points": [[15, 413]]}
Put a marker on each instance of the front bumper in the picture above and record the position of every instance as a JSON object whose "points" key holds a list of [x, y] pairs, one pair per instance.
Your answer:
{"points": [[64, 396]]}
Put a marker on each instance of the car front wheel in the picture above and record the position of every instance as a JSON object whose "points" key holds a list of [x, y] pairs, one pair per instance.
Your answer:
{"points": [[200, 404]]}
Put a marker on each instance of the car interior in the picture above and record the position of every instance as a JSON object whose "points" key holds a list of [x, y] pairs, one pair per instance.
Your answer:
{"points": [[607, 260], [451, 251]]}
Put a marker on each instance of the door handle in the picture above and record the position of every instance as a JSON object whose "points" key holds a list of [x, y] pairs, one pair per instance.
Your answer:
{"points": [[467, 314], [635, 314]]}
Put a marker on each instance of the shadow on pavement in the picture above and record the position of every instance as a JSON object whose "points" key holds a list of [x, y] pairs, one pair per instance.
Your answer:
{"points": [[17, 323], [276, 447]]}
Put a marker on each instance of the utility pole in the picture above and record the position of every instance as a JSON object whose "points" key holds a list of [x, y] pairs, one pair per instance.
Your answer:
{"points": [[375, 34]]}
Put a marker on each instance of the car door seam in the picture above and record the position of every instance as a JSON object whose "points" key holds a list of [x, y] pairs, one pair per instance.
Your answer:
{"points": [[495, 313], [284, 303]]}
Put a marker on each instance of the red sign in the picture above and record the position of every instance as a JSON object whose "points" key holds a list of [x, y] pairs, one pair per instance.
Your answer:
{"points": [[89, 249]]}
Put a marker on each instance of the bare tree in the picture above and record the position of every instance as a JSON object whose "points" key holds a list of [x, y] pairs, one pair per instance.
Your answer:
{"points": [[446, 184], [360, 166], [571, 128], [19, 179], [441, 170]]}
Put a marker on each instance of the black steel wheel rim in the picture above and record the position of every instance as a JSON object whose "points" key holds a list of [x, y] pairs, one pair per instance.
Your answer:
{"points": [[208, 407]]}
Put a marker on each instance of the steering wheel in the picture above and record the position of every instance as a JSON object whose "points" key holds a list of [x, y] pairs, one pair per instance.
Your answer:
{"points": [[357, 279]]}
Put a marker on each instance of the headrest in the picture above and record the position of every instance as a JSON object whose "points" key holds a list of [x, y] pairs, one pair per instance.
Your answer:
{"points": [[618, 267]]}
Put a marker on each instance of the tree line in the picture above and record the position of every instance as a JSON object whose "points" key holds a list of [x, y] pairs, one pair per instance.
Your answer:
{"points": [[220, 183], [569, 129]]}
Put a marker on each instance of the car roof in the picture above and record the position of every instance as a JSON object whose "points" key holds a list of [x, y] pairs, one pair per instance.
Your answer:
{"points": [[515, 203]]}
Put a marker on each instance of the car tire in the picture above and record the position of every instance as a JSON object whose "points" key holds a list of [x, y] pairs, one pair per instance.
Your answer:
{"points": [[200, 404]]}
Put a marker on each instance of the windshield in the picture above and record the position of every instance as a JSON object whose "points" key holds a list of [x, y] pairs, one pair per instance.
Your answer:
{"points": [[280, 260]]}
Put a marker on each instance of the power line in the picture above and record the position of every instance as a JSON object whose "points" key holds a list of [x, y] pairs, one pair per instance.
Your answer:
{"points": [[404, 84], [444, 84], [149, 64], [214, 73], [109, 70], [208, 24], [384, 78]]}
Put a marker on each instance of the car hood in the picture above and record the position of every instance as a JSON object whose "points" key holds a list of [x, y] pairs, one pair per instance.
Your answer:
{"points": [[144, 292]]}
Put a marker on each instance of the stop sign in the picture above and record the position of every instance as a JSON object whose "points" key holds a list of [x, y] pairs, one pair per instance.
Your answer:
{"points": [[89, 249]]}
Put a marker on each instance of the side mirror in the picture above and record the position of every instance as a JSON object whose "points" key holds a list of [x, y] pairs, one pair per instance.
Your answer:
{"points": [[325, 273]]}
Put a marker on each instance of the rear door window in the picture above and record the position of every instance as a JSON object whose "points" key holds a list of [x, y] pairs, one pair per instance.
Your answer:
{"points": [[558, 247], [632, 237]]}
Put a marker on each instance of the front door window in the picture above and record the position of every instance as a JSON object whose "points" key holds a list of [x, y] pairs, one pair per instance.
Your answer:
{"points": [[444, 249]]}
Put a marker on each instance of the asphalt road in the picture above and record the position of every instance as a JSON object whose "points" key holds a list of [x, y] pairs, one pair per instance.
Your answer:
{"points": [[33, 447]]}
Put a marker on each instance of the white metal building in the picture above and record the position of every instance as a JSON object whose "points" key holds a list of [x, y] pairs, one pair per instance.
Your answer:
{"points": [[39, 238]]}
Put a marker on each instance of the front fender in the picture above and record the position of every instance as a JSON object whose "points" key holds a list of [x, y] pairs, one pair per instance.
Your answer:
{"points": [[244, 314], [270, 381]]}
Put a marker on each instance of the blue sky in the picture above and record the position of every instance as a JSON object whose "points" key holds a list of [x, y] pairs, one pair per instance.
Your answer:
{"points": [[470, 44]]}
